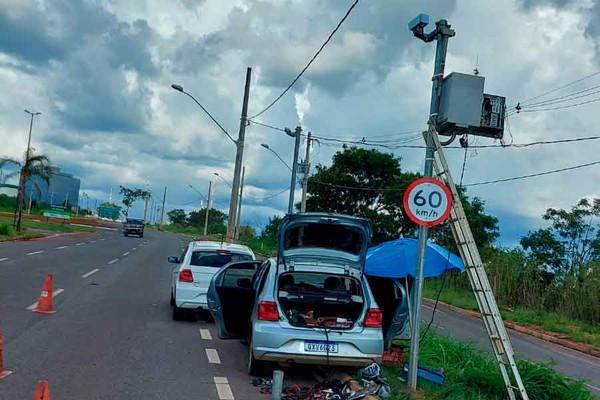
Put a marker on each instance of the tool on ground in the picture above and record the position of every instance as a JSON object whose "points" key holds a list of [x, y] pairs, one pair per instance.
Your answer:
{"points": [[42, 391], [3, 373], [482, 289], [44, 305]]}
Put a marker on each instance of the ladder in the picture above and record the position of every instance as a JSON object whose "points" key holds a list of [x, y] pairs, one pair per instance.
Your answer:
{"points": [[479, 281]]}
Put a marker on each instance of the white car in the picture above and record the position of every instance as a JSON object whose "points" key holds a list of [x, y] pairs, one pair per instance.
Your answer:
{"points": [[191, 276]]}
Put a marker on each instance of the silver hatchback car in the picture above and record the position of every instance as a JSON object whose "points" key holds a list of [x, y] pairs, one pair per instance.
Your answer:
{"points": [[312, 304]]}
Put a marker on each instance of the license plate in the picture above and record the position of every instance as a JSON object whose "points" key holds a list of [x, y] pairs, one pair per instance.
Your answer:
{"points": [[314, 346]]}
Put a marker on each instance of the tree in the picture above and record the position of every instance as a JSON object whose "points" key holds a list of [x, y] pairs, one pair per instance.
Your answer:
{"points": [[177, 216], [270, 230], [216, 220], [484, 226], [247, 233], [33, 165], [365, 183], [130, 196], [572, 240]]}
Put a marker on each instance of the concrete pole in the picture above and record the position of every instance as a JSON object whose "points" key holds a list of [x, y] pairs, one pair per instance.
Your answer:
{"points": [[296, 135], [146, 202], [162, 213], [443, 33], [239, 211], [239, 156], [306, 171], [208, 207]]}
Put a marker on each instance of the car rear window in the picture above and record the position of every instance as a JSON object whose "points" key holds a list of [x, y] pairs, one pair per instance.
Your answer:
{"points": [[216, 259], [328, 236]]}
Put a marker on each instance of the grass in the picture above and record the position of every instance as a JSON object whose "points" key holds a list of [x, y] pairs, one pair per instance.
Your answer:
{"points": [[29, 227], [474, 375], [576, 330]]}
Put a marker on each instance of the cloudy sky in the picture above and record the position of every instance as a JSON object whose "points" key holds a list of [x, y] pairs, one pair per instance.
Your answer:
{"points": [[100, 73]]}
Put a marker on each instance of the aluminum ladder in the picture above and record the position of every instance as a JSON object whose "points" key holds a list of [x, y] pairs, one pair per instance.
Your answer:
{"points": [[482, 289]]}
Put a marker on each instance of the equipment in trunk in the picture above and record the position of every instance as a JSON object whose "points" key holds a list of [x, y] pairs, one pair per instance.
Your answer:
{"points": [[320, 300]]}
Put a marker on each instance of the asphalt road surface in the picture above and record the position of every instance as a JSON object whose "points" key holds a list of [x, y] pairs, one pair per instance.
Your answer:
{"points": [[112, 336], [572, 363]]}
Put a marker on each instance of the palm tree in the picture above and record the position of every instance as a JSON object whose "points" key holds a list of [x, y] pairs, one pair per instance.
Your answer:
{"points": [[34, 165]]}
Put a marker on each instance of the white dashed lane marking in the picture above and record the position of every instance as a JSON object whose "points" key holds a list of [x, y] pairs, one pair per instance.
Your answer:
{"points": [[92, 241], [113, 261], [90, 273], [35, 252], [205, 334], [134, 249], [223, 389], [54, 294], [125, 254], [80, 244], [213, 356], [61, 247], [103, 239], [4, 259]]}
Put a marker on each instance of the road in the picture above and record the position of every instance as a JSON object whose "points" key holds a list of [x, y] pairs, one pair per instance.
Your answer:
{"points": [[569, 362], [112, 336]]}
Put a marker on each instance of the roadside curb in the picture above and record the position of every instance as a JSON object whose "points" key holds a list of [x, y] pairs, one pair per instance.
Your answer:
{"points": [[570, 344]]}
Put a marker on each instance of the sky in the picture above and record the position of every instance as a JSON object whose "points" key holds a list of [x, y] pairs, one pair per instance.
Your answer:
{"points": [[100, 73]]}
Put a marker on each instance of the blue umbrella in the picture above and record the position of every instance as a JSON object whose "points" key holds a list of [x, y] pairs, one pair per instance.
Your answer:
{"points": [[398, 259]]}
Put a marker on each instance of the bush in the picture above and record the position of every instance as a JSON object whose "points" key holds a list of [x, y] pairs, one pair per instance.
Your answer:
{"points": [[6, 230]]}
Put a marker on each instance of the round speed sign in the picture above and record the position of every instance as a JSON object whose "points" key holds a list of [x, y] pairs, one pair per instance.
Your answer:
{"points": [[427, 202]]}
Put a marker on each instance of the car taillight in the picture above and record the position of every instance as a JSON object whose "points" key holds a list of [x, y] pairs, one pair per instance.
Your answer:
{"points": [[185, 275], [373, 318], [267, 311]]}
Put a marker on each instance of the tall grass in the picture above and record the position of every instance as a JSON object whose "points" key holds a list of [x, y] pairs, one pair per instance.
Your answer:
{"points": [[472, 374], [6, 230]]}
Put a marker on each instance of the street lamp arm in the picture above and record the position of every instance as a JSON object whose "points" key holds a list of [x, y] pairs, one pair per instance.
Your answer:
{"points": [[180, 89], [224, 180], [197, 191], [278, 156]]}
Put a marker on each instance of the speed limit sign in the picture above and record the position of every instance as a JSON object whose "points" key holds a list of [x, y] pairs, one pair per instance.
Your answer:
{"points": [[427, 202]]}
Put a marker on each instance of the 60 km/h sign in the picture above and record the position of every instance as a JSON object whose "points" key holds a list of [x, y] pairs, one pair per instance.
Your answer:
{"points": [[427, 202]]}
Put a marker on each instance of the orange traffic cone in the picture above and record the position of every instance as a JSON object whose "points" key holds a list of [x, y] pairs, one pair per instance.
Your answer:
{"points": [[3, 373], [42, 391], [44, 305]]}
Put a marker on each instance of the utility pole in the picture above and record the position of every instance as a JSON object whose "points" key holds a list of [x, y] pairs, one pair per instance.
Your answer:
{"points": [[297, 133], [151, 218], [146, 196], [441, 34], [306, 171], [21, 189], [208, 207], [239, 156], [239, 211], [162, 213]]}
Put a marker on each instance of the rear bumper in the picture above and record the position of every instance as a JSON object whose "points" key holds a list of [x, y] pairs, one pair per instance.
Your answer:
{"points": [[190, 297], [358, 347]]}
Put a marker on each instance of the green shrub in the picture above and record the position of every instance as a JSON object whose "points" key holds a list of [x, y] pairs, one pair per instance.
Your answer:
{"points": [[6, 230]]}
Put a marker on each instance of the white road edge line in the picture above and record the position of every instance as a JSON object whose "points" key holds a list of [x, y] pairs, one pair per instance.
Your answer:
{"points": [[90, 273], [205, 334], [126, 254], [223, 389], [592, 387], [54, 294], [113, 261], [61, 247], [213, 356], [4, 259], [80, 244], [35, 252]]}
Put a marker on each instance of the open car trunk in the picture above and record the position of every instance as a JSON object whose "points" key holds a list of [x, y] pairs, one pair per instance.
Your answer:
{"points": [[320, 300]]}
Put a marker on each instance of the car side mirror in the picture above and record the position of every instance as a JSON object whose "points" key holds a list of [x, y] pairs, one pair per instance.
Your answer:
{"points": [[245, 283], [173, 260]]}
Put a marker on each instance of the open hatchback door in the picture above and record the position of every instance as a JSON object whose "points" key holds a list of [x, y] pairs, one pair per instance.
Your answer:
{"points": [[231, 296], [326, 243]]}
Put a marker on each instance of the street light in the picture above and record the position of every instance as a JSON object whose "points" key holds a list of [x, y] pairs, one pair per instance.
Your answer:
{"points": [[224, 180], [208, 203], [266, 146], [21, 189]]}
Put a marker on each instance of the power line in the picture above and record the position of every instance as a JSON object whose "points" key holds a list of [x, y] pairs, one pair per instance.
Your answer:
{"points": [[567, 97], [267, 197], [266, 125], [311, 60], [533, 175], [560, 87], [562, 107]]}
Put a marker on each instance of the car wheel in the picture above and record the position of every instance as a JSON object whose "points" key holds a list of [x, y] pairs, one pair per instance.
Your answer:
{"points": [[255, 367], [178, 313], [172, 302], [124, 234], [141, 236]]}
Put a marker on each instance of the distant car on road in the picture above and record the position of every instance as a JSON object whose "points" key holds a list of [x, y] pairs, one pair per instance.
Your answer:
{"points": [[133, 227], [196, 267], [311, 305]]}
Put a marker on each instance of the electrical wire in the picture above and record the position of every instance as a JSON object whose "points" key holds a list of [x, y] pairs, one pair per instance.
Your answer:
{"points": [[560, 87], [568, 97], [561, 107], [310, 62], [267, 197], [266, 125], [533, 175]]}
